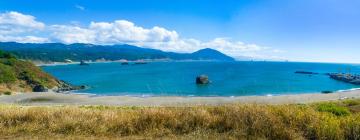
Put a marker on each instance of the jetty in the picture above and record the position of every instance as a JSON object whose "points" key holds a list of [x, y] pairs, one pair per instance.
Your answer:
{"points": [[348, 78]]}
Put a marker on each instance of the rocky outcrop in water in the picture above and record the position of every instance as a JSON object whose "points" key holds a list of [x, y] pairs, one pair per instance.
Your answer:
{"points": [[140, 63], [306, 72], [326, 92], [348, 78], [64, 86], [202, 79]]}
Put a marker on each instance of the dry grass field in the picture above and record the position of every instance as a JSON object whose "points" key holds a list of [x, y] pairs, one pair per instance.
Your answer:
{"points": [[325, 120]]}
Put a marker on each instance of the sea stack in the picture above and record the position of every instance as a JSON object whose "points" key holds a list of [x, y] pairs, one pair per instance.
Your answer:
{"points": [[202, 79]]}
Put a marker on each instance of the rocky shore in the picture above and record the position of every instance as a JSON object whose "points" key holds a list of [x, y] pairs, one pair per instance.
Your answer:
{"points": [[62, 87], [348, 78], [344, 77]]}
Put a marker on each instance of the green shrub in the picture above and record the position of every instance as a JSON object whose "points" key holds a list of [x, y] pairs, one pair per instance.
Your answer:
{"points": [[7, 75], [351, 102], [333, 108], [6, 55], [7, 93], [33, 75]]}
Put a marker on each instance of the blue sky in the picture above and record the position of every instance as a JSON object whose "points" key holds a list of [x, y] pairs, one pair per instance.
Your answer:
{"points": [[296, 30]]}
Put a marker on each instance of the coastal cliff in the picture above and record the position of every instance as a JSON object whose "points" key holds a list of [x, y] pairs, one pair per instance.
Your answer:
{"points": [[23, 76]]}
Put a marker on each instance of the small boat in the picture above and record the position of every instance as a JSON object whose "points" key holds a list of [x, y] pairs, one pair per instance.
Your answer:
{"points": [[125, 63]]}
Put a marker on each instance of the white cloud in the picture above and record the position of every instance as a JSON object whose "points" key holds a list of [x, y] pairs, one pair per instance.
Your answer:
{"points": [[23, 39], [14, 23], [122, 31], [225, 45], [119, 31], [72, 34], [14, 26], [18, 27], [82, 8], [233, 48]]}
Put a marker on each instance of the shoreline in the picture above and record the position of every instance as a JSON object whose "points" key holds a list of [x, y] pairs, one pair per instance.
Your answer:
{"points": [[40, 64], [229, 96], [70, 63], [51, 99]]}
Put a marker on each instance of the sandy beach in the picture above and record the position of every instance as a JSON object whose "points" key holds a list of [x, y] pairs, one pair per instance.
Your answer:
{"points": [[48, 98]]}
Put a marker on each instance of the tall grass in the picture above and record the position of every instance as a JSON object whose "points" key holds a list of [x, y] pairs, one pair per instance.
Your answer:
{"points": [[198, 122]]}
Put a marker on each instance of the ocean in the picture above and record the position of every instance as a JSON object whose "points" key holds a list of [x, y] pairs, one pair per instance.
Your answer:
{"points": [[227, 78]]}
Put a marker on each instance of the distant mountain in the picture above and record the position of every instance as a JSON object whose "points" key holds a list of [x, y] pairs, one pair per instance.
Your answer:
{"points": [[57, 52], [209, 54]]}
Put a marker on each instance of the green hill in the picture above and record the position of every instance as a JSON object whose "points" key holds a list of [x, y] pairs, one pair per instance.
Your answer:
{"points": [[22, 76], [57, 52]]}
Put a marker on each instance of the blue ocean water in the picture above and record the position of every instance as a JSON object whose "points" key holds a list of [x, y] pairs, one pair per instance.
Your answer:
{"points": [[178, 78]]}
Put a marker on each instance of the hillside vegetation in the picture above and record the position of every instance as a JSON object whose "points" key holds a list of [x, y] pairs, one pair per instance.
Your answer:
{"points": [[57, 52], [328, 120], [22, 76]]}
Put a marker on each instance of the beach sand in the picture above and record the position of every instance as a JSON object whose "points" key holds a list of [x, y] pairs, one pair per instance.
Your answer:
{"points": [[48, 98]]}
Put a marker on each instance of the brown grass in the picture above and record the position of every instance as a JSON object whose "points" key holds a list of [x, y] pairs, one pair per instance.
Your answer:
{"points": [[198, 122]]}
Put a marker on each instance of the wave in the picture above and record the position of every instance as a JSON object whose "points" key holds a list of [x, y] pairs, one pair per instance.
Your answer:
{"points": [[84, 93], [145, 95], [347, 90]]}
